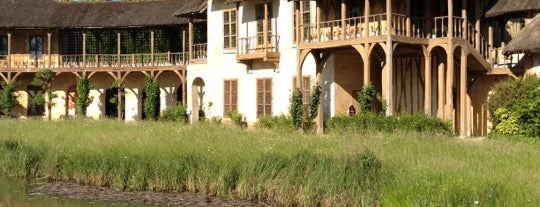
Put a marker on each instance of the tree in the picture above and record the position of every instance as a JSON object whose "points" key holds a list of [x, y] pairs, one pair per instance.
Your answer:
{"points": [[8, 99], [44, 79]]}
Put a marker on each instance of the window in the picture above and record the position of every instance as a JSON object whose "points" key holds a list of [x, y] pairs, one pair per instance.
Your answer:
{"points": [[264, 97], [306, 18], [229, 28], [34, 109], [259, 15], [36, 47], [230, 96], [296, 12], [3, 47], [305, 90]]}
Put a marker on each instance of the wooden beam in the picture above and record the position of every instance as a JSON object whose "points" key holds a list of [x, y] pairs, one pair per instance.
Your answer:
{"points": [[427, 85], [450, 21], [366, 18], [441, 90], [190, 33], [152, 39], [119, 47], [265, 27], [343, 16], [389, 61]]}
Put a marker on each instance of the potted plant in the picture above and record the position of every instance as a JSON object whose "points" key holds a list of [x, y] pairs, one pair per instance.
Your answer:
{"points": [[433, 33], [337, 33]]}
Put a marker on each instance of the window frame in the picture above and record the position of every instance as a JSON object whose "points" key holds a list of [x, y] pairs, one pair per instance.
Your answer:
{"points": [[34, 49], [3, 47], [259, 19], [232, 25], [264, 96], [230, 94]]}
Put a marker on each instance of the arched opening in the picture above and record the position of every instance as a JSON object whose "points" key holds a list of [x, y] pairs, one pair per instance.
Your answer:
{"points": [[377, 63], [71, 100], [408, 79], [111, 103], [438, 81], [348, 79], [197, 99], [180, 94]]}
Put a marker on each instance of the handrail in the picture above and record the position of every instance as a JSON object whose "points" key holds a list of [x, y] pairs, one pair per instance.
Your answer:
{"points": [[254, 44], [199, 51]]}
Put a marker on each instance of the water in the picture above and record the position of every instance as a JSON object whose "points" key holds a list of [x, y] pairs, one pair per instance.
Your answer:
{"points": [[15, 193]]}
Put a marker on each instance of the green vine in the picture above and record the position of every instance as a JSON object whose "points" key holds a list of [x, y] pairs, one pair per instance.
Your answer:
{"points": [[151, 101], [366, 97], [8, 99], [296, 110], [44, 79], [84, 85]]}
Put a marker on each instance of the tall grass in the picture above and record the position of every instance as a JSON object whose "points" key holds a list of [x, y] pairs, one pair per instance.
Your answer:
{"points": [[337, 169]]}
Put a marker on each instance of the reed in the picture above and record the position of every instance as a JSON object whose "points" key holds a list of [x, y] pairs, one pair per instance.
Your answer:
{"points": [[336, 169]]}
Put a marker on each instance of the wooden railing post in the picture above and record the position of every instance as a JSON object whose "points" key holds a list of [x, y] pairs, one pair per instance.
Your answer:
{"points": [[190, 33], [450, 33], [265, 27], [318, 22], [408, 27], [490, 44]]}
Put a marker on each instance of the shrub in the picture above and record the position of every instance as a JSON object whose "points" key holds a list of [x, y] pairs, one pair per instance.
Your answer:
{"points": [[236, 117], [378, 122], [44, 79], [179, 113], [515, 105], [8, 100], [296, 110], [281, 122]]}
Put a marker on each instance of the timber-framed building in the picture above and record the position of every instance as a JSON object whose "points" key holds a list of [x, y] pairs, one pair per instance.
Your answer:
{"points": [[435, 57]]}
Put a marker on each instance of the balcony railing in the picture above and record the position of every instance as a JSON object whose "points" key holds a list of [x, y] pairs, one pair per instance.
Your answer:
{"points": [[255, 44], [102, 60], [199, 51]]}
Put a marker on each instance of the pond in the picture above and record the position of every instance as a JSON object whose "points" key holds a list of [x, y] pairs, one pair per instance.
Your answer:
{"points": [[15, 192]]}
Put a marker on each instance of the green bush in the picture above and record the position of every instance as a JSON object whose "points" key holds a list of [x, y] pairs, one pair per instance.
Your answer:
{"points": [[236, 117], [84, 85], [179, 113], [151, 101], [8, 100], [378, 122], [281, 122], [515, 106]]}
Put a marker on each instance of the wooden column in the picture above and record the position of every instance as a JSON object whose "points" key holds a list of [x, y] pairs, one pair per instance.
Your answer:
{"points": [[300, 20], [449, 83], [389, 60], [491, 47], [83, 48], [265, 27], [118, 47], [450, 20], [366, 18], [463, 95], [152, 44], [183, 46], [464, 26], [9, 50], [441, 89], [190, 36], [367, 65], [343, 16], [427, 85], [477, 25], [318, 22], [319, 119], [49, 55]]}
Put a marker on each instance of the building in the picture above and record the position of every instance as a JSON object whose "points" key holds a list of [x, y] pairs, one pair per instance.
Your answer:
{"points": [[434, 57]]}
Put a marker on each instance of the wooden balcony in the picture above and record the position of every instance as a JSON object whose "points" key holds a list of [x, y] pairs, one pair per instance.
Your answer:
{"points": [[255, 48]]}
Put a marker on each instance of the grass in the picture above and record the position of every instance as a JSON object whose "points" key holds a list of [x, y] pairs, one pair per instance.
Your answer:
{"points": [[337, 169]]}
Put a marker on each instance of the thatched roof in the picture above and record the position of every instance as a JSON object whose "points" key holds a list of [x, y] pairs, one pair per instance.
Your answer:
{"points": [[527, 41], [512, 7], [195, 9], [51, 14]]}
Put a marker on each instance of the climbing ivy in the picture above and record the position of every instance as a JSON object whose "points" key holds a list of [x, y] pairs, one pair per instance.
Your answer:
{"points": [[44, 79], [296, 110], [366, 97], [8, 100], [151, 101], [83, 95]]}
